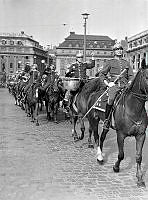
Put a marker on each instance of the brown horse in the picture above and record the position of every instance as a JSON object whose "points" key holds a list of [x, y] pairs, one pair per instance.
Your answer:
{"points": [[129, 120]]}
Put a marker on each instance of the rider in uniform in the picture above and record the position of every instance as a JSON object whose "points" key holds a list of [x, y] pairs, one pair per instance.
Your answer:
{"points": [[110, 72], [78, 70], [34, 76]]}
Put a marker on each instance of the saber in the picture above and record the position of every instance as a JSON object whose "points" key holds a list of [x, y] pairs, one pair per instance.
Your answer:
{"points": [[103, 94]]}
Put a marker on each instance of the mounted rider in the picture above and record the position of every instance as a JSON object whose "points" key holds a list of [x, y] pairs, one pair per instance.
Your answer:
{"points": [[49, 72], [111, 70], [78, 70], [34, 76]]}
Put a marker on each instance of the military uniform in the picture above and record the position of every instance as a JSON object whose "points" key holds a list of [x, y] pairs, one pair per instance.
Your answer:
{"points": [[115, 69], [78, 70], [34, 76], [111, 70]]}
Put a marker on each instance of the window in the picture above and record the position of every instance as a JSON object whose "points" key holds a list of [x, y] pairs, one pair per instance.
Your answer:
{"points": [[19, 43], [11, 42], [4, 42], [11, 65]]}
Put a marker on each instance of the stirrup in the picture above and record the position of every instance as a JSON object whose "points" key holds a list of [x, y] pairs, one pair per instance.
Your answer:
{"points": [[106, 124]]}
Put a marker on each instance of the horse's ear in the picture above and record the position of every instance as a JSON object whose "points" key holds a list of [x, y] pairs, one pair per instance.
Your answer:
{"points": [[143, 64]]}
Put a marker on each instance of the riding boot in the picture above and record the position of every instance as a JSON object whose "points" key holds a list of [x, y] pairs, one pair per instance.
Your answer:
{"points": [[107, 117]]}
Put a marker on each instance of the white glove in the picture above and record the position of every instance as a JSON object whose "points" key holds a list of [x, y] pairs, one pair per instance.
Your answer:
{"points": [[129, 82], [111, 84]]}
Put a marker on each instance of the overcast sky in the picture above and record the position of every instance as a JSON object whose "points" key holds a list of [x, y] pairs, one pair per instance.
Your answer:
{"points": [[44, 19]]}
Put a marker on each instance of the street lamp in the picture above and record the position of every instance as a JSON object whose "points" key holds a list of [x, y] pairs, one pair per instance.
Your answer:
{"points": [[42, 67], [34, 59], [85, 17]]}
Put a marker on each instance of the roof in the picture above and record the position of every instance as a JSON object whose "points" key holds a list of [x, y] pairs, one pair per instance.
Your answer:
{"points": [[74, 36], [92, 41]]}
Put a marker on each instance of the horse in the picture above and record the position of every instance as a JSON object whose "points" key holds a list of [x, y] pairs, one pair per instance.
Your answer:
{"points": [[32, 102], [54, 94], [129, 120], [80, 106]]}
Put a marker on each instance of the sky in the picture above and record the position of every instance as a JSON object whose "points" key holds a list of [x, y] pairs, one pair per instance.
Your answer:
{"points": [[51, 21]]}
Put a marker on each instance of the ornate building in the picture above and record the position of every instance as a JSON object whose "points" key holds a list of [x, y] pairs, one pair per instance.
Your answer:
{"points": [[100, 46], [137, 49], [18, 48]]}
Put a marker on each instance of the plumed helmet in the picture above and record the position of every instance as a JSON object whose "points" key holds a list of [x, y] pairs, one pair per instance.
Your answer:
{"points": [[117, 46], [79, 55]]}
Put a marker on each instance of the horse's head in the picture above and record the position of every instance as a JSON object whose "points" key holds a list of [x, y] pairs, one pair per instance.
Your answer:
{"points": [[144, 80], [139, 85]]}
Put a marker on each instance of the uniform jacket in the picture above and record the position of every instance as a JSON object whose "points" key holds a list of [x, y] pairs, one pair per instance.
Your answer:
{"points": [[34, 75], [113, 68], [78, 70]]}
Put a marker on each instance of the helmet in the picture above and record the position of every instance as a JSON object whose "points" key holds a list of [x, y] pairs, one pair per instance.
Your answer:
{"points": [[117, 46], [79, 55]]}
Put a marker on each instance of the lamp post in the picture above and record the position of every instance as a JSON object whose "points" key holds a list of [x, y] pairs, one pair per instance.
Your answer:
{"points": [[34, 59], [42, 67], [85, 17]]}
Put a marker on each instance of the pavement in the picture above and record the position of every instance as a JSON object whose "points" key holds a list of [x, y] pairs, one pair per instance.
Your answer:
{"points": [[44, 163]]}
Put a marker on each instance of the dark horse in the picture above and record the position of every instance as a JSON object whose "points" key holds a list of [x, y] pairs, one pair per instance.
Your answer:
{"points": [[32, 102], [129, 120], [53, 95]]}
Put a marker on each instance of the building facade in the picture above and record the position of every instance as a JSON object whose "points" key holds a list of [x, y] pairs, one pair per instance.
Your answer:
{"points": [[16, 49], [100, 46], [137, 49]]}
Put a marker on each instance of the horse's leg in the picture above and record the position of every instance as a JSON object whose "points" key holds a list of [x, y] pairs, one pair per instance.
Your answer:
{"points": [[36, 113], [55, 112], [94, 126], [90, 143], [120, 141], [140, 138], [74, 132], [82, 129], [32, 114], [46, 105], [102, 138]]}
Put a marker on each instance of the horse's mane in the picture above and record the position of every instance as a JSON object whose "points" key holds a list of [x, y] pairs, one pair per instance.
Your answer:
{"points": [[129, 88], [92, 85]]}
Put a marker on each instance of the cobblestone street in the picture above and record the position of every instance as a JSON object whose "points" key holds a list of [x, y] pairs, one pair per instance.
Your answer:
{"points": [[43, 163]]}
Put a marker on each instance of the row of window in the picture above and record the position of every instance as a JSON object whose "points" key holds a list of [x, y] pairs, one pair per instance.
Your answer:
{"points": [[87, 52], [11, 42], [138, 42]]}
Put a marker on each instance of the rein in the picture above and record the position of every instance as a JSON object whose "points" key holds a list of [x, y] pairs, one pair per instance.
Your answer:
{"points": [[143, 97]]}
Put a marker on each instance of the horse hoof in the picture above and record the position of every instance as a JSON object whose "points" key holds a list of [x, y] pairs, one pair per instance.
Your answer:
{"points": [[37, 124], [91, 146], [101, 162], [141, 184], [116, 169]]}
